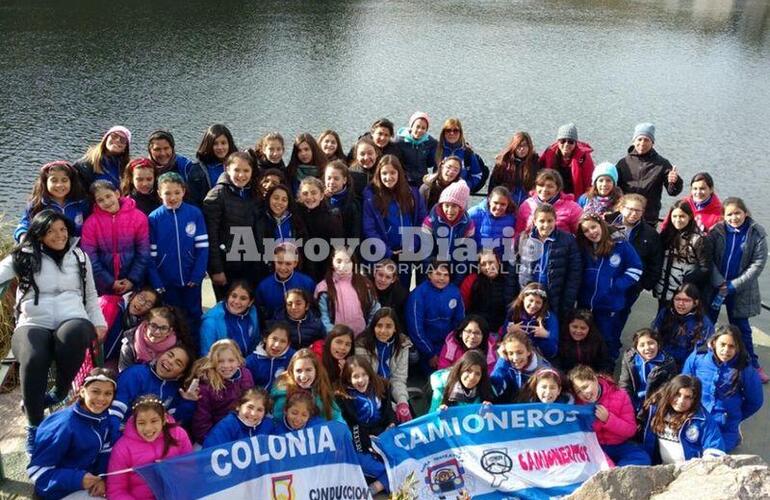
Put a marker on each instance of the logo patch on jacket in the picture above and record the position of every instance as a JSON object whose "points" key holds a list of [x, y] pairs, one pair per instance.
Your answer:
{"points": [[79, 220], [452, 303], [615, 260], [692, 433], [190, 229]]}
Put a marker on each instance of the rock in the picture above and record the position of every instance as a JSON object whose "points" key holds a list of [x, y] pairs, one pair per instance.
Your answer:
{"points": [[735, 477]]}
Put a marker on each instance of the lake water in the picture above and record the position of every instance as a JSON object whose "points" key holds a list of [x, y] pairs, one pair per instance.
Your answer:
{"points": [[698, 69]]}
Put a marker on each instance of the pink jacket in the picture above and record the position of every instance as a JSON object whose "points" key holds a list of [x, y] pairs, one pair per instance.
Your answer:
{"points": [[132, 450], [581, 166], [568, 213], [621, 424], [117, 244], [452, 351]]}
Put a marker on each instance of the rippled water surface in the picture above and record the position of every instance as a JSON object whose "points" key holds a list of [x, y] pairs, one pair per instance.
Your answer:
{"points": [[698, 69]]}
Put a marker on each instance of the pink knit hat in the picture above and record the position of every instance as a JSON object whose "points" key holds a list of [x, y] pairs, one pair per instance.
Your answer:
{"points": [[416, 116], [119, 129], [457, 193]]}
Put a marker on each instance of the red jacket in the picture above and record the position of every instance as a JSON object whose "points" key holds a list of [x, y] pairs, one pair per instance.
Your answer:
{"points": [[621, 424], [582, 165], [705, 217], [131, 451]]}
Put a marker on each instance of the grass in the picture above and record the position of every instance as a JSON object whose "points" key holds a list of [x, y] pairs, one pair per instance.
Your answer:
{"points": [[7, 299]]}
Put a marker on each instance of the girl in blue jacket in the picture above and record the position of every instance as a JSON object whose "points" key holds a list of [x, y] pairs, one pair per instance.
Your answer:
{"points": [[391, 208], [676, 427], [163, 377], [179, 247], [495, 220], [271, 291], [452, 142], [645, 367], [683, 326], [530, 315], [732, 391], [740, 255], [272, 355], [58, 188], [72, 446], [305, 325], [609, 269], [433, 309], [551, 257], [246, 420], [234, 318], [518, 361]]}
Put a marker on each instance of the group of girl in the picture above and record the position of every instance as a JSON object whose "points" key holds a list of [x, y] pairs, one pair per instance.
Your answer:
{"points": [[296, 342]]}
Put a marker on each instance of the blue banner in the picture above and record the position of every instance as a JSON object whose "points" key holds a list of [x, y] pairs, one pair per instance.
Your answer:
{"points": [[314, 463], [526, 450]]}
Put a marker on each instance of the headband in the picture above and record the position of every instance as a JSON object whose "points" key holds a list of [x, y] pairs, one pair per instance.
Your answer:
{"points": [[99, 378], [552, 371], [152, 400], [535, 291]]}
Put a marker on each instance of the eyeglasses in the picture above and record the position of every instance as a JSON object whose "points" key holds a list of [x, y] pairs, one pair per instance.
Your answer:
{"points": [[633, 210], [158, 328], [475, 333], [115, 137], [567, 141], [452, 130], [683, 300]]}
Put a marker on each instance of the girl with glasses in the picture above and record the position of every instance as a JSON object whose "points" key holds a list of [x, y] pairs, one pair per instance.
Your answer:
{"points": [[452, 142], [162, 329]]}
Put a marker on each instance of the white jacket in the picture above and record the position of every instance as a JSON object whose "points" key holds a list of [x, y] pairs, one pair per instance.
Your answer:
{"points": [[61, 292]]}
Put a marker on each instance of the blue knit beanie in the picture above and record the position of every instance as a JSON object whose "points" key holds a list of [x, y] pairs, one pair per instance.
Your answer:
{"points": [[605, 168], [645, 129]]}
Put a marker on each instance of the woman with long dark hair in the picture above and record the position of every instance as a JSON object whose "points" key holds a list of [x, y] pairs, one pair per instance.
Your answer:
{"points": [[57, 308]]}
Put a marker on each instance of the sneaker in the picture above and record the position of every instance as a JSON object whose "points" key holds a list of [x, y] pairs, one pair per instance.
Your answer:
{"points": [[51, 399], [29, 445], [762, 375]]}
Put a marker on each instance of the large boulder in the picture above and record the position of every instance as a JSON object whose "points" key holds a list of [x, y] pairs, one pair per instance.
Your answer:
{"points": [[731, 476]]}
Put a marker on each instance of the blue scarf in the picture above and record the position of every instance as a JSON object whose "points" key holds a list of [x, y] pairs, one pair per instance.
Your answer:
{"points": [[214, 171], [337, 200], [384, 353]]}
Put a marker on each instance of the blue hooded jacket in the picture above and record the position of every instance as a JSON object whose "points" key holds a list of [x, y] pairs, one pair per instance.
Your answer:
{"points": [[76, 210], [548, 346], [388, 228], [68, 444], [264, 368], [305, 331], [218, 324], [699, 437], [606, 279], [507, 381], [489, 226], [431, 314], [232, 428], [271, 292], [141, 379]]}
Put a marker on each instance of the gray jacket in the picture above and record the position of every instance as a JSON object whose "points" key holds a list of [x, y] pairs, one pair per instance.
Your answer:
{"points": [[747, 299], [399, 369]]}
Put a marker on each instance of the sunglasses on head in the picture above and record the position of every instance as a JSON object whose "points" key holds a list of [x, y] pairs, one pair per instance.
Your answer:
{"points": [[567, 141]]}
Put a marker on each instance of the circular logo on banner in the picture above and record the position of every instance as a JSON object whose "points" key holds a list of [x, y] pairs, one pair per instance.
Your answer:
{"points": [[190, 229], [692, 433], [452, 303], [615, 260], [497, 463]]}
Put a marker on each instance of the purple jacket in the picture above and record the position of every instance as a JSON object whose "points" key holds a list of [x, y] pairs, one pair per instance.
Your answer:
{"points": [[214, 406], [117, 244]]}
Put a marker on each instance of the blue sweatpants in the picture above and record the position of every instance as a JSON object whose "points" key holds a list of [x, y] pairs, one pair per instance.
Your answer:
{"points": [[742, 324], [188, 299], [627, 453], [373, 468], [610, 324]]}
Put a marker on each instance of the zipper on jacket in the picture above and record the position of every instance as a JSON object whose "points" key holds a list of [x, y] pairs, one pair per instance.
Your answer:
{"points": [[178, 247], [596, 283], [730, 255], [115, 256]]}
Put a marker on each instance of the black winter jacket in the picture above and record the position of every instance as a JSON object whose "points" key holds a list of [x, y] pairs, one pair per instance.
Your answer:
{"points": [[647, 174]]}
